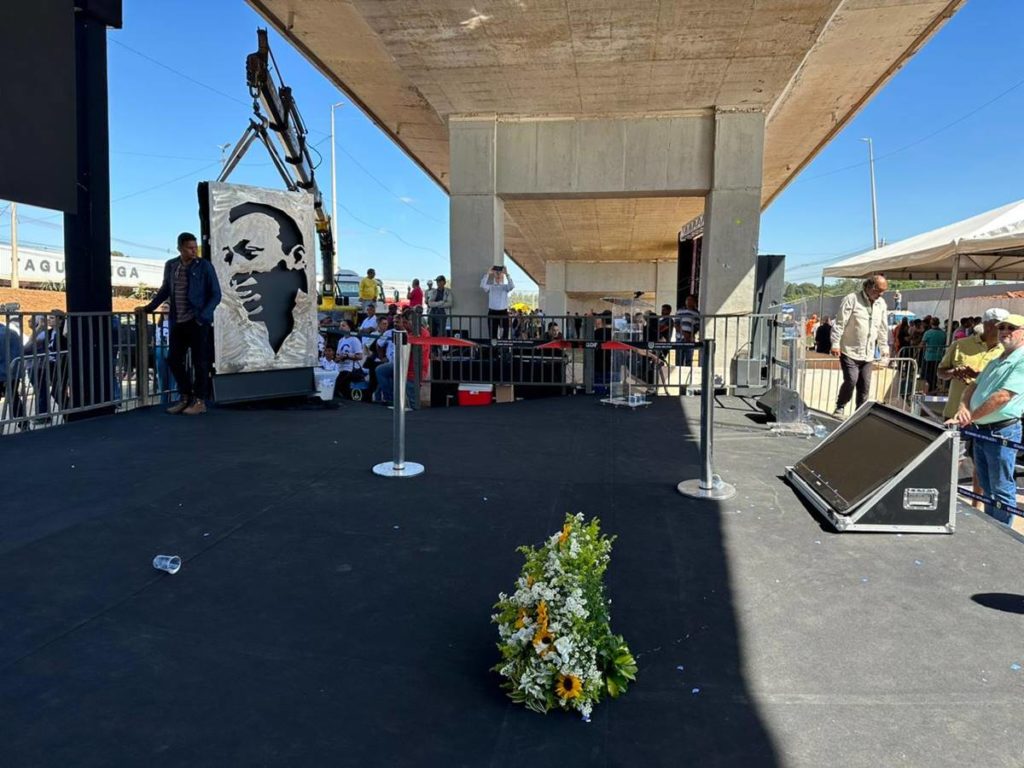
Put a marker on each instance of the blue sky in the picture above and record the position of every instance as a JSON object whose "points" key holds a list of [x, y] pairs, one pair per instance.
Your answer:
{"points": [[946, 132], [963, 169]]}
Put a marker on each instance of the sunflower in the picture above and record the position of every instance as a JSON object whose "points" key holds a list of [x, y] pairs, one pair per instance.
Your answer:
{"points": [[564, 537], [543, 641], [542, 613], [568, 686], [520, 618], [529, 580], [542, 636]]}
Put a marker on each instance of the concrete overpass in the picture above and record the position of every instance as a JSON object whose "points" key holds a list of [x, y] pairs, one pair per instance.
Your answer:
{"points": [[579, 135]]}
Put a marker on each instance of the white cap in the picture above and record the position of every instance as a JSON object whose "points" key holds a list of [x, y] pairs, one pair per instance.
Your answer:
{"points": [[979, 329], [995, 315]]}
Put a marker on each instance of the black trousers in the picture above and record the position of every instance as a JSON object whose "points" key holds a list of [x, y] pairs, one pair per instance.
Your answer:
{"points": [[438, 320], [192, 337], [856, 375], [343, 386], [498, 320]]}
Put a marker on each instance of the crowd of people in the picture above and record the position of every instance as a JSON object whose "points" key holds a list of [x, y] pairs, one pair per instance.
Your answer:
{"points": [[35, 361], [33, 365], [367, 353], [983, 366], [920, 339], [363, 346]]}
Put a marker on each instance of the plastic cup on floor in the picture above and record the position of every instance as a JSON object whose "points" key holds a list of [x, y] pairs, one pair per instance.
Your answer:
{"points": [[169, 563]]}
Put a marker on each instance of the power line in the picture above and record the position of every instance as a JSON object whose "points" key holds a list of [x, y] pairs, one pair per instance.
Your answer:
{"points": [[921, 140], [32, 220], [162, 157], [799, 269], [165, 183], [386, 231], [388, 189], [180, 73]]}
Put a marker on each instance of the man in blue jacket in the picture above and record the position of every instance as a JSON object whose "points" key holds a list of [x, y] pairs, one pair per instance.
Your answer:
{"points": [[190, 284]]}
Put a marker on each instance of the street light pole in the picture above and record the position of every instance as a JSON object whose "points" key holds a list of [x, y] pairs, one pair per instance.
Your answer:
{"points": [[874, 200], [223, 153], [334, 188]]}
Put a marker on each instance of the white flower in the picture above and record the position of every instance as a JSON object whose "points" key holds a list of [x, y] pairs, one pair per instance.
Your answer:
{"points": [[564, 646]]}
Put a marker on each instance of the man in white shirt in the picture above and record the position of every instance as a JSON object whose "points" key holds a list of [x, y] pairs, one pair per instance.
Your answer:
{"points": [[350, 359], [369, 324], [859, 328], [498, 286], [375, 351], [386, 371]]}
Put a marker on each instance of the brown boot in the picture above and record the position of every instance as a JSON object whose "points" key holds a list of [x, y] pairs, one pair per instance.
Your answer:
{"points": [[197, 407], [178, 407]]}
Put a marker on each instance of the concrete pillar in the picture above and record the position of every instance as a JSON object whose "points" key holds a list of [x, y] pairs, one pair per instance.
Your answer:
{"points": [[732, 215], [554, 300], [665, 284], [477, 214]]}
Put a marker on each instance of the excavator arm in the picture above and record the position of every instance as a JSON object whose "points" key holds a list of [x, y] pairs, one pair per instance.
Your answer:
{"points": [[275, 109]]}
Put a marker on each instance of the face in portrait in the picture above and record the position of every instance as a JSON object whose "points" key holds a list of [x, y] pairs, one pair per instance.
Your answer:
{"points": [[266, 256]]}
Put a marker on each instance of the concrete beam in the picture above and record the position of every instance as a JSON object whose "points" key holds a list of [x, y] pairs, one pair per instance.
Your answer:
{"points": [[656, 156], [610, 277], [572, 286], [553, 298]]}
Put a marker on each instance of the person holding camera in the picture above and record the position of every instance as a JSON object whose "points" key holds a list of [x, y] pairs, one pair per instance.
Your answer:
{"points": [[498, 286]]}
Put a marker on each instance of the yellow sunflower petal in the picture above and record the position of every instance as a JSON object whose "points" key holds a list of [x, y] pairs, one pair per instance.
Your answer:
{"points": [[565, 534]]}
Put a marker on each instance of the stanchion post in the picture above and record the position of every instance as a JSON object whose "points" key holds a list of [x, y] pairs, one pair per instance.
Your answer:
{"points": [[398, 467], [708, 485]]}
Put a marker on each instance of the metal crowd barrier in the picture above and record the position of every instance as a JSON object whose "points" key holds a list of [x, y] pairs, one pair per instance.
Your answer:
{"points": [[56, 365], [562, 353], [893, 383], [991, 500]]}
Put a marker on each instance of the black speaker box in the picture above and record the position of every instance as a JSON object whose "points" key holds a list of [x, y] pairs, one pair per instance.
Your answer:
{"points": [[883, 470], [781, 404]]}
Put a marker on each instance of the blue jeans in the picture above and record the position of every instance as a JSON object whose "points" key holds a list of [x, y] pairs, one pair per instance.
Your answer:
{"points": [[386, 386], [994, 465], [164, 377], [385, 382]]}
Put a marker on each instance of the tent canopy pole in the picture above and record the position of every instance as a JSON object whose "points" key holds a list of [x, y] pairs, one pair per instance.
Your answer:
{"points": [[952, 295]]}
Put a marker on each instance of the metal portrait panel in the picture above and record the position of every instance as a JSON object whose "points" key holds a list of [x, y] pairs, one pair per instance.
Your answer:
{"points": [[262, 245]]}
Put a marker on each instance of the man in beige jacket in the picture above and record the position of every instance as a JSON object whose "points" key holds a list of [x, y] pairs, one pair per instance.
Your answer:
{"points": [[859, 327]]}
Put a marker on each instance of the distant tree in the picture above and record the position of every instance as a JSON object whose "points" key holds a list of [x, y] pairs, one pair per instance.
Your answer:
{"points": [[798, 291]]}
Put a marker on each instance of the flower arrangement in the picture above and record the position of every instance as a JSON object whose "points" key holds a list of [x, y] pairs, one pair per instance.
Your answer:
{"points": [[557, 647]]}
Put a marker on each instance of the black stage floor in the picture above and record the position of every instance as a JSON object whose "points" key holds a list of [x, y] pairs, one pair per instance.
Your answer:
{"points": [[325, 616]]}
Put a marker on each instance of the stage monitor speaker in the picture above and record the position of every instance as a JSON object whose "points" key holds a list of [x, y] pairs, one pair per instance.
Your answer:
{"points": [[781, 403], [883, 470]]}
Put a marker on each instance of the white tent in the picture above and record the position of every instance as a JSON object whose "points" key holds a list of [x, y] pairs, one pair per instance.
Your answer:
{"points": [[989, 245]]}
